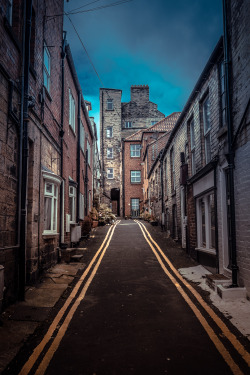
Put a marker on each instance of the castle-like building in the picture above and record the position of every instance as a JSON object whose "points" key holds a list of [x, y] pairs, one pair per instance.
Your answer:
{"points": [[118, 121]]}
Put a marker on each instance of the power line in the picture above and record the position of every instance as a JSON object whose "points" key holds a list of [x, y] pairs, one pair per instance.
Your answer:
{"points": [[85, 49], [89, 10]]}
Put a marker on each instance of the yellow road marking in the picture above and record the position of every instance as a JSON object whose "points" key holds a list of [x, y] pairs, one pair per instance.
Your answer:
{"points": [[38, 350], [229, 335], [218, 344]]}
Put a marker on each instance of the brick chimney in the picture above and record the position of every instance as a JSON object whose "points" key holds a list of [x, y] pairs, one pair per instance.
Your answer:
{"points": [[140, 94]]}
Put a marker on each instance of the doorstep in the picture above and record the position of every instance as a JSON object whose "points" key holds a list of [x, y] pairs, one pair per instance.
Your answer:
{"points": [[228, 293]]}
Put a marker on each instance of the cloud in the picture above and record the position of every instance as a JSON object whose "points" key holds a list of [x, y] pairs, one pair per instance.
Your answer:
{"points": [[162, 43]]}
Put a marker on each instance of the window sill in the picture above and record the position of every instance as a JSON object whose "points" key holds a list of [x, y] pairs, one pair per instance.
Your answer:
{"points": [[49, 235], [208, 251], [135, 183], [222, 131], [47, 93], [72, 130]]}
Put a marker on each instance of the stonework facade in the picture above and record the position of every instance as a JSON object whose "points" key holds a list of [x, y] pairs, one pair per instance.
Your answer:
{"points": [[46, 146], [118, 121]]}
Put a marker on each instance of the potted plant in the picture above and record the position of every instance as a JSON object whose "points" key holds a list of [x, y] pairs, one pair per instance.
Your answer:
{"points": [[94, 217]]}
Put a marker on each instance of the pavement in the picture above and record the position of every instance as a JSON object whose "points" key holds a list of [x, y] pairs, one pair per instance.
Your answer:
{"points": [[22, 320]]}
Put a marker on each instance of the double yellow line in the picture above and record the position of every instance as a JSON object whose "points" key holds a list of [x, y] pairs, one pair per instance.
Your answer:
{"points": [[161, 257], [56, 336]]}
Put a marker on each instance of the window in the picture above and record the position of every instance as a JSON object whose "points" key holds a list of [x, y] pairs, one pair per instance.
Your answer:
{"points": [[222, 94], [82, 136], [192, 144], [135, 151], [81, 206], [110, 104], [135, 177], [72, 204], [135, 207], [128, 124], [153, 122], [72, 111], [9, 12], [46, 67], [172, 169], [154, 151], [109, 131], [206, 222], [110, 152], [50, 208], [110, 173], [89, 152], [207, 128]]}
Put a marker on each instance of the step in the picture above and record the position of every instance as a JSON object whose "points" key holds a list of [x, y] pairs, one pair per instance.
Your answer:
{"points": [[66, 254], [213, 280], [231, 294], [76, 258]]}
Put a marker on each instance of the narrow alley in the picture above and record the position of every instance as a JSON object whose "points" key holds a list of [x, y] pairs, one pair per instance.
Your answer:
{"points": [[131, 312]]}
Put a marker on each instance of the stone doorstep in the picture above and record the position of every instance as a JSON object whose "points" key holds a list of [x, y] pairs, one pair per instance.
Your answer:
{"points": [[213, 280], [231, 294], [76, 257], [66, 254]]}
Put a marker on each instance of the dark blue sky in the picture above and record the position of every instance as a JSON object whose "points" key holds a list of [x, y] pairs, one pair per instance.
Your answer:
{"points": [[162, 43]]}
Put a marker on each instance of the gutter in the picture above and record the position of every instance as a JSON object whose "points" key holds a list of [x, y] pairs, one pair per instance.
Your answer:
{"points": [[230, 156], [25, 151], [61, 133]]}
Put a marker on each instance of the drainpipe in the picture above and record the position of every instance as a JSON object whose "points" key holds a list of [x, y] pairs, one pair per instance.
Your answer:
{"points": [[21, 127], [230, 156], [162, 194], [86, 180], [123, 180], [78, 169], [24, 176], [61, 133], [103, 181]]}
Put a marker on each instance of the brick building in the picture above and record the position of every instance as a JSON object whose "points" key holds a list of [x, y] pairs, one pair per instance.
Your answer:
{"points": [[117, 121], [137, 158], [237, 32], [45, 137]]}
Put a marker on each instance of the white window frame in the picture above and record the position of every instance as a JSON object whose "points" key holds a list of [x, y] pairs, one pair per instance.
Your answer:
{"points": [[135, 177], [172, 166], [110, 106], [72, 196], [205, 199], [109, 131], [54, 181], [110, 154], [46, 68], [110, 173], [192, 146], [89, 152], [207, 128], [72, 111], [128, 124], [82, 137], [81, 206], [135, 151]]}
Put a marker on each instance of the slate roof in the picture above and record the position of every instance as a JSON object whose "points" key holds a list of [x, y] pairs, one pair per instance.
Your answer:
{"points": [[164, 125]]}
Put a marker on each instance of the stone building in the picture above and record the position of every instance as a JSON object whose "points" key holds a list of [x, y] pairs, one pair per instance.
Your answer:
{"points": [[117, 121], [45, 137]]}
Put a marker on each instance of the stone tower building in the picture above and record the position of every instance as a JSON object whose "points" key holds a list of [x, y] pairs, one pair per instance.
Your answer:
{"points": [[117, 121]]}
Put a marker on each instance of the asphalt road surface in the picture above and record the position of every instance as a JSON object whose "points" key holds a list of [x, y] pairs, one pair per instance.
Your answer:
{"points": [[131, 314]]}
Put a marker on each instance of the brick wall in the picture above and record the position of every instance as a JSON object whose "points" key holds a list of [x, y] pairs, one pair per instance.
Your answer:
{"points": [[132, 190], [239, 36]]}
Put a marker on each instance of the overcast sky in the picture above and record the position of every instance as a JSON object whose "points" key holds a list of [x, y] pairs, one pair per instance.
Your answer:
{"points": [[162, 43]]}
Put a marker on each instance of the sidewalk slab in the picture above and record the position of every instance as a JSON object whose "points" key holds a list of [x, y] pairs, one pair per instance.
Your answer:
{"points": [[237, 313]]}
